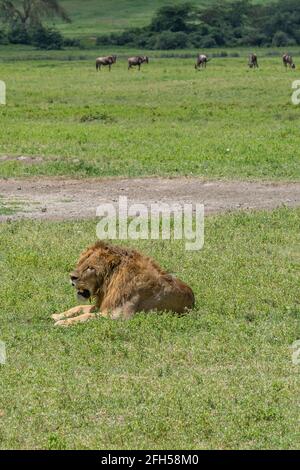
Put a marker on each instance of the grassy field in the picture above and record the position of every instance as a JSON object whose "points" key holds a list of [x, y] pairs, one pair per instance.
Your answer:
{"points": [[168, 119], [94, 17], [99, 17], [220, 377]]}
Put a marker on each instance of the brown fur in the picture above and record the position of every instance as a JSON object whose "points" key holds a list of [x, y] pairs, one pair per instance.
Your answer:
{"points": [[122, 282], [137, 61], [103, 61], [201, 61], [253, 62], [288, 61]]}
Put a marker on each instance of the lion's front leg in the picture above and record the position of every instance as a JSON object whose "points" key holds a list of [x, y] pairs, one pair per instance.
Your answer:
{"points": [[73, 312], [79, 319]]}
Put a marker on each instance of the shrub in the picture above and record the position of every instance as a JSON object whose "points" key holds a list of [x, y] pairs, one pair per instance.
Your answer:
{"points": [[18, 35], [46, 38], [254, 39], [196, 38], [146, 40], [104, 40], [128, 37], [169, 40], [208, 42], [3, 37], [296, 35], [71, 42], [151, 42], [281, 39]]}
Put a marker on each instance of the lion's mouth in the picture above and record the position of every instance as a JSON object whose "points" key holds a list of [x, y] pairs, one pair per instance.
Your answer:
{"points": [[84, 293]]}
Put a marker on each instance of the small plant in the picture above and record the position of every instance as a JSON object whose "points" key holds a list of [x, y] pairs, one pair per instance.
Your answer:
{"points": [[90, 117]]}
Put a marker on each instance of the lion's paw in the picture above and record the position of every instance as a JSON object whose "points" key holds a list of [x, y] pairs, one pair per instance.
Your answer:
{"points": [[62, 323], [57, 316]]}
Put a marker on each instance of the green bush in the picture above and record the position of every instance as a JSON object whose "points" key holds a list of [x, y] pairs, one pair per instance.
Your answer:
{"points": [[46, 38], [18, 34], [71, 42], [104, 40], [196, 38], [281, 39], [128, 37], [208, 42], [169, 40], [257, 39], [3, 37]]}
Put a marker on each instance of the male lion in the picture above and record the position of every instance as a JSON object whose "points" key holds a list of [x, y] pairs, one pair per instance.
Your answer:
{"points": [[122, 282]]}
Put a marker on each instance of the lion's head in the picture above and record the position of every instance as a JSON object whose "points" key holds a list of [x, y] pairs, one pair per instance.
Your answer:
{"points": [[94, 267], [85, 282]]}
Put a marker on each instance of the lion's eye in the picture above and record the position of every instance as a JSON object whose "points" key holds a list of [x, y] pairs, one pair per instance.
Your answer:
{"points": [[74, 278], [90, 270]]}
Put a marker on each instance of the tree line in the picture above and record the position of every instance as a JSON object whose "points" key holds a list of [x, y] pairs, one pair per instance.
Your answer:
{"points": [[224, 23]]}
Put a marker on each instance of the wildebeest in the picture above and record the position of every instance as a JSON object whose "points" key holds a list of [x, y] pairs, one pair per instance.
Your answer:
{"points": [[288, 61], [109, 60], [137, 61], [201, 61], [253, 63]]}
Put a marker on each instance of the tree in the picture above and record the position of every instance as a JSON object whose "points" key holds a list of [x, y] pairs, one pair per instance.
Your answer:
{"points": [[231, 23], [281, 39], [46, 38], [169, 40], [173, 18], [30, 13]]}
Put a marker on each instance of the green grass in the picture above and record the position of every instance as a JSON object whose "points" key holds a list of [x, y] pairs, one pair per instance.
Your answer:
{"points": [[168, 119], [99, 17], [94, 17], [9, 207], [220, 377]]}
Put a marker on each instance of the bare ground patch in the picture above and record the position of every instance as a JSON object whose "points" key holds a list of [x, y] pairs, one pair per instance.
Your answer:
{"points": [[26, 160], [67, 199]]}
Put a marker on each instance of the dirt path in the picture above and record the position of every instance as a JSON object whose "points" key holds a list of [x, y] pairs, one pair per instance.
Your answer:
{"points": [[62, 199]]}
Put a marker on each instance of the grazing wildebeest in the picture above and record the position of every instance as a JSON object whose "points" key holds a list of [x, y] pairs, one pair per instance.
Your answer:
{"points": [[288, 61], [202, 60], [109, 60], [253, 63], [138, 60]]}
